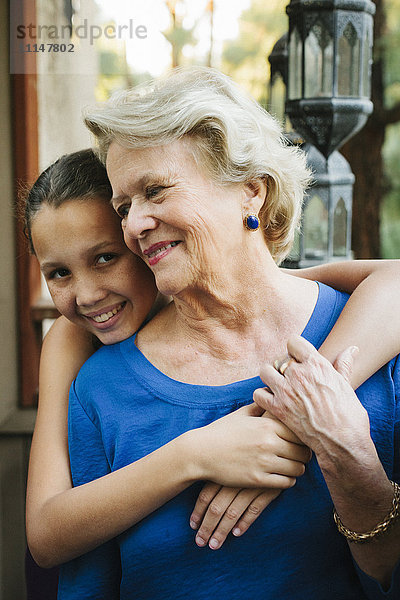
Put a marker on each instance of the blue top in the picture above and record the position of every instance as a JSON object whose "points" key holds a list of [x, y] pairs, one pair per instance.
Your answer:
{"points": [[122, 408]]}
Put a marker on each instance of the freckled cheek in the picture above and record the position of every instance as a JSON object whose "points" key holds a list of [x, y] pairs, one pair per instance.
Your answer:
{"points": [[63, 301], [126, 281]]}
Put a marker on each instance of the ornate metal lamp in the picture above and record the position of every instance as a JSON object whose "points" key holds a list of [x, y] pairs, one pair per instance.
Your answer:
{"points": [[278, 60], [330, 54], [327, 77], [326, 221]]}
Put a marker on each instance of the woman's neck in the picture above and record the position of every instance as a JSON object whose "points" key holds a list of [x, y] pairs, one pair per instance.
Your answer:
{"points": [[229, 301], [232, 326]]}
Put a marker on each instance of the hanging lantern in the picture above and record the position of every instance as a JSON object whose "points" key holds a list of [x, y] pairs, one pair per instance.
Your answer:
{"points": [[329, 69], [278, 60], [326, 221]]}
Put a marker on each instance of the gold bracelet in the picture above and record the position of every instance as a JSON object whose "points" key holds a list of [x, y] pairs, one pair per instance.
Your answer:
{"points": [[383, 526]]}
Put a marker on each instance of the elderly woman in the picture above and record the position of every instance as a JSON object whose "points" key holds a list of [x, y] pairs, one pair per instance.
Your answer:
{"points": [[210, 197]]}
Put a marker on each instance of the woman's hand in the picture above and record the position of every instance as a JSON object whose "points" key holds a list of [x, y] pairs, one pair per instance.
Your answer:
{"points": [[316, 401], [222, 509], [318, 404], [242, 450]]}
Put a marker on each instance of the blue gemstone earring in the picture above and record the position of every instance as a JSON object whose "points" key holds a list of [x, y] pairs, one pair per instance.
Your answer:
{"points": [[251, 222]]}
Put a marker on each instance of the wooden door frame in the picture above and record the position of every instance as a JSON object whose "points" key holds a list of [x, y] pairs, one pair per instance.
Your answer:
{"points": [[26, 167]]}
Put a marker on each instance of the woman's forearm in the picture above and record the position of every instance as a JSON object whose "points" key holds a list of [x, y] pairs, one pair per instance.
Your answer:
{"points": [[317, 403], [362, 495], [370, 319]]}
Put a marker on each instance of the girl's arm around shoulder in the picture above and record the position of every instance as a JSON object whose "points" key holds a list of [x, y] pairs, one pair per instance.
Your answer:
{"points": [[65, 346], [64, 522], [64, 350], [370, 319]]}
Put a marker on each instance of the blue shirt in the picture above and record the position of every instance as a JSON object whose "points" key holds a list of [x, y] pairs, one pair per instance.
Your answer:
{"points": [[122, 408]]}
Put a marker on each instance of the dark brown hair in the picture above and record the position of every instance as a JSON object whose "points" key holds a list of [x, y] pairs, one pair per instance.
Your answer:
{"points": [[77, 175]]}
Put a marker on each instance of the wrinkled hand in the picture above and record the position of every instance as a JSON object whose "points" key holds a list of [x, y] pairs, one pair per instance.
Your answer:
{"points": [[220, 510], [315, 400]]}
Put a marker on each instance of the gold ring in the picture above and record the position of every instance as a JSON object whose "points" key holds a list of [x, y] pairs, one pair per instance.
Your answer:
{"points": [[282, 364]]}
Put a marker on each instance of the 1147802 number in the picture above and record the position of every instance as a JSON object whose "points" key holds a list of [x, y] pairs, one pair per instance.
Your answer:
{"points": [[49, 48]]}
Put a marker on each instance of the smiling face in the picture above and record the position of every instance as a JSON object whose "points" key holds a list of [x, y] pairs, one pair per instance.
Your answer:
{"points": [[93, 278], [188, 229]]}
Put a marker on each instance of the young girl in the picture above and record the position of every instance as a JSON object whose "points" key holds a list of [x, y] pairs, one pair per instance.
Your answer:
{"points": [[103, 289]]}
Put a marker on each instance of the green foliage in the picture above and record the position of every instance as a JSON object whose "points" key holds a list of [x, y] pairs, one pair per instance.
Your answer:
{"points": [[246, 58], [389, 46], [390, 217], [115, 74], [180, 37], [235, 54], [390, 42], [111, 63]]}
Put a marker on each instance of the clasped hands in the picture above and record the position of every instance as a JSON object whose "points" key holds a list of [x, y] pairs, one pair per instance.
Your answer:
{"points": [[303, 406]]}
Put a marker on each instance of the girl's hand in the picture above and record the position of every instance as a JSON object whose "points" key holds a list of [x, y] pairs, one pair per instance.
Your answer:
{"points": [[242, 450], [221, 510]]}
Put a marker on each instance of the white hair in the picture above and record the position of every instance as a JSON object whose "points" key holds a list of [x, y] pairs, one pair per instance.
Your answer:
{"points": [[234, 138]]}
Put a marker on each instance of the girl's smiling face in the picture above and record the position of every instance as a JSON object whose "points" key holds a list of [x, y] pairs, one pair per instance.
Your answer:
{"points": [[94, 279]]}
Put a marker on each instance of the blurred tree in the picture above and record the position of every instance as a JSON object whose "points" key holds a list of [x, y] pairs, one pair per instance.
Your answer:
{"points": [[210, 10], [178, 35], [390, 215], [114, 71], [246, 58]]}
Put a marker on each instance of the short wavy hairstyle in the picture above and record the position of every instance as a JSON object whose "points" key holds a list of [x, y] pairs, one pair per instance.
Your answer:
{"points": [[235, 139]]}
